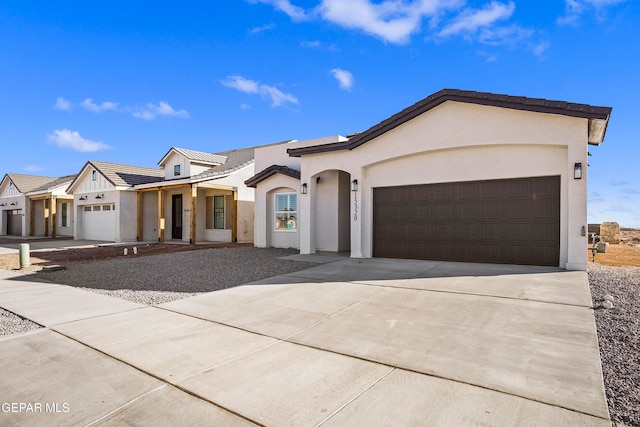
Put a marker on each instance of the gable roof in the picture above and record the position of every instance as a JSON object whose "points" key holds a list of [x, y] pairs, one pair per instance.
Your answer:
{"points": [[27, 183], [270, 171], [59, 182], [122, 175], [598, 116], [236, 159], [195, 156]]}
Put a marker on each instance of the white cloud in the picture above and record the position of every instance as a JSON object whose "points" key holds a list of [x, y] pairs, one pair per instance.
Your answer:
{"points": [[470, 20], [393, 21], [275, 95], [344, 78], [511, 35], [241, 84], [540, 48], [296, 13], [33, 168], [63, 104], [262, 28], [151, 111], [575, 8], [311, 44], [245, 106], [66, 138], [88, 104]]}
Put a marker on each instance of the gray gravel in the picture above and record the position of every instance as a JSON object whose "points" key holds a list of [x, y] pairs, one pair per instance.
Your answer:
{"points": [[619, 338], [11, 323], [162, 278]]}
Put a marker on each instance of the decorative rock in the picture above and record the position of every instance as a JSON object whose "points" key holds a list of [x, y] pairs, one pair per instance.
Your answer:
{"points": [[610, 232], [608, 298], [607, 304]]}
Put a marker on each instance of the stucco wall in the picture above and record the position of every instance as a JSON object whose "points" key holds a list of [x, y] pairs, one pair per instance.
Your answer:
{"points": [[458, 142]]}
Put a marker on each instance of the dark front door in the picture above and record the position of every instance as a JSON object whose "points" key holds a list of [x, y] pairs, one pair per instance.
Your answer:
{"points": [[176, 217], [510, 221]]}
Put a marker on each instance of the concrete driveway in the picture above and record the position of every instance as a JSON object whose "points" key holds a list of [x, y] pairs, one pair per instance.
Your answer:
{"points": [[350, 342]]}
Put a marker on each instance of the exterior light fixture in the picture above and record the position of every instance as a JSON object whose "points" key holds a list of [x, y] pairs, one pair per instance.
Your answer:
{"points": [[3, 204], [83, 198], [303, 188], [577, 171], [13, 203], [354, 185], [98, 197]]}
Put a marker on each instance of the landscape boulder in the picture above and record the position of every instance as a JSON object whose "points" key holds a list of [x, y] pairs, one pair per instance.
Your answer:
{"points": [[610, 232]]}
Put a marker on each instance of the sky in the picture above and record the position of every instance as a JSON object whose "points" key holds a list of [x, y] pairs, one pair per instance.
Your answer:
{"points": [[124, 81]]}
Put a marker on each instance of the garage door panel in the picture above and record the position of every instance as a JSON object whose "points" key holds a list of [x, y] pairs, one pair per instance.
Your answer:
{"points": [[500, 221]]}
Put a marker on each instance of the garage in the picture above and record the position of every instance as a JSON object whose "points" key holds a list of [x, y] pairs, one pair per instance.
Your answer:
{"points": [[14, 222], [509, 221], [99, 222]]}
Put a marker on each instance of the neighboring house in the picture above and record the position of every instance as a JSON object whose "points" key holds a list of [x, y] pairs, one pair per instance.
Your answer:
{"points": [[201, 198], [459, 176], [51, 208], [106, 201], [34, 205]]}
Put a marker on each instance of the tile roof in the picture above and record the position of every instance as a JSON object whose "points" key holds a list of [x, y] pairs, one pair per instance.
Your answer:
{"points": [[598, 116], [124, 175], [198, 156], [270, 171], [27, 183], [236, 159], [62, 181]]}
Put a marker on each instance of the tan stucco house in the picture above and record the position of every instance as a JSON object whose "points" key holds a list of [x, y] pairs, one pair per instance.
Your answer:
{"points": [[33, 205], [459, 176]]}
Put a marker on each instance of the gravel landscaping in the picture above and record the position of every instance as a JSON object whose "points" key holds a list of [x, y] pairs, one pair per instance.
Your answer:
{"points": [[163, 278], [619, 338], [11, 323]]}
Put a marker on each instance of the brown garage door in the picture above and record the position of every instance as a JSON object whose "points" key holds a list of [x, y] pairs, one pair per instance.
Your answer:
{"points": [[511, 221]]}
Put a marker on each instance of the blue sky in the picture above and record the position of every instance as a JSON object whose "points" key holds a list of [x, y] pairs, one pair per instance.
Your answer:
{"points": [[124, 81]]}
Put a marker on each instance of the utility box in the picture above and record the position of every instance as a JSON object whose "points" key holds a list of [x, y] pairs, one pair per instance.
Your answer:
{"points": [[602, 247]]}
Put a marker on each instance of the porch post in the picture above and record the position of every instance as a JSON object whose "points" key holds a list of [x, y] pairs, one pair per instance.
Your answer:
{"points": [[192, 210], [160, 215], [139, 232], [45, 203], [53, 215], [234, 217], [31, 219]]}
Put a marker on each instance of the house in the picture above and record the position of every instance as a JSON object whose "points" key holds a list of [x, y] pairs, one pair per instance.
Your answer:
{"points": [[34, 205], [459, 176], [201, 198], [106, 200], [191, 197]]}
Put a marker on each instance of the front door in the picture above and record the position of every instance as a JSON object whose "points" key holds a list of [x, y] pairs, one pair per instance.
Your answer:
{"points": [[176, 217]]}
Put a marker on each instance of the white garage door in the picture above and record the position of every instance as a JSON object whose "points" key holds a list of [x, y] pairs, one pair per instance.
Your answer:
{"points": [[99, 222]]}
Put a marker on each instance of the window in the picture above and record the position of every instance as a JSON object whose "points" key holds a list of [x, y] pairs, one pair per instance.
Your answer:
{"points": [[106, 207], [11, 186], [94, 176], [176, 170], [96, 208], [286, 209], [218, 212], [64, 219], [87, 208]]}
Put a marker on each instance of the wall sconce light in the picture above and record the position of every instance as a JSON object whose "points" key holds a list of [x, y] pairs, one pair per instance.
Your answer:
{"points": [[83, 198], [577, 171], [354, 185], [303, 188], [99, 196], [3, 204], [13, 203]]}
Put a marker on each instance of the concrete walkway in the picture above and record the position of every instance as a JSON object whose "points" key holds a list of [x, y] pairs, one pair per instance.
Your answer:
{"points": [[349, 342]]}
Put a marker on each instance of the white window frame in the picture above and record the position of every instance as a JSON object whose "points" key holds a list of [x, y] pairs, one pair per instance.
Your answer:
{"points": [[94, 176], [289, 212], [177, 170]]}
